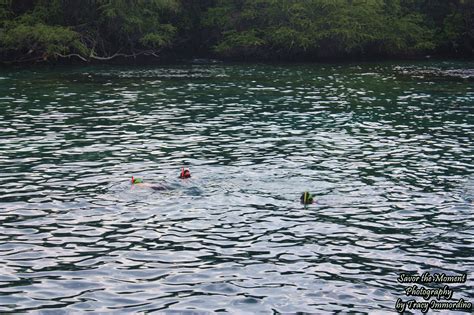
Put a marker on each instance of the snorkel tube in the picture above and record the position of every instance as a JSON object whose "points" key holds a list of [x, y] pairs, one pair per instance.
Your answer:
{"points": [[306, 198]]}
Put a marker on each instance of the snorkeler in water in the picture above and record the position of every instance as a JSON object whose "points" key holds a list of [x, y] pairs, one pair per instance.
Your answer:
{"points": [[306, 198], [138, 182], [185, 173]]}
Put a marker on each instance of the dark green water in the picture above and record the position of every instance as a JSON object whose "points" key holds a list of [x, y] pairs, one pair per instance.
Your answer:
{"points": [[387, 150]]}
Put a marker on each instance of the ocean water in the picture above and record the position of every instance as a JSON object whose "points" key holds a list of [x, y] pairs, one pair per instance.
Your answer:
{"points": [[385, 148]]}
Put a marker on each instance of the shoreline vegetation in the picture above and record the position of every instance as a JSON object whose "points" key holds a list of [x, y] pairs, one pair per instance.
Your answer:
{"points": [[163, 31]]}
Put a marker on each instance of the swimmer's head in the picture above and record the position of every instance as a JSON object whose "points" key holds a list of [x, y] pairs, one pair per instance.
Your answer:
{"points": [[306, 198], [136, 180], [185, 173]]}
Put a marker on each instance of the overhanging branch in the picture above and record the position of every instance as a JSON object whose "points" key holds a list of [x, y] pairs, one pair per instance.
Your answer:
{"points": [[105, 58], [117, 54]]}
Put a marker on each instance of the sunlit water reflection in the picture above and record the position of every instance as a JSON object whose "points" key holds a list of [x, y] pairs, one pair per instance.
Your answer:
{"points": [[387, 152]]}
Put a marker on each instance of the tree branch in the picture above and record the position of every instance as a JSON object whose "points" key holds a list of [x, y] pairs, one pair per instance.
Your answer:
{"points": [[153, 53], [117, 54]]}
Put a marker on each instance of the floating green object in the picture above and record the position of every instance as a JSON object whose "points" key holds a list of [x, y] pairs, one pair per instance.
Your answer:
{"points": [[306, 198], [136, 180]]}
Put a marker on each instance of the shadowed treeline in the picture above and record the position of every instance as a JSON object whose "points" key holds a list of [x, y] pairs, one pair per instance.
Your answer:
{"points": [[46, 30]]}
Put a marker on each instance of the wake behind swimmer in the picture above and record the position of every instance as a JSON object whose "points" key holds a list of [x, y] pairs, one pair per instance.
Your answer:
{"points": [[139, 182]]}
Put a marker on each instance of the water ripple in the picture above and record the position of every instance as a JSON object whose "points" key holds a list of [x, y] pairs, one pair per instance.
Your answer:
{"points": [[386, 152]]}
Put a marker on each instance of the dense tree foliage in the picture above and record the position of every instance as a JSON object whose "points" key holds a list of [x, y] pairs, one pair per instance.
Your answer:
{"points": [[101, 29], [325, 28], [243, 29]]}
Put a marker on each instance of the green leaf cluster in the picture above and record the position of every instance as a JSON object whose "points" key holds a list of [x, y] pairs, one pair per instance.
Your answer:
{"points": [[42, 29], [318, 28], [243, 29]]}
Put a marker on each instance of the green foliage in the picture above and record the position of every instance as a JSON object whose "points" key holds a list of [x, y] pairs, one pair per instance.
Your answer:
{"points": [[457, 30], [160, 38], [453, 27], [49, 41], [318, 28], [130, 23], [262, 29], [30, 35], [87, 29], [245, 42]]}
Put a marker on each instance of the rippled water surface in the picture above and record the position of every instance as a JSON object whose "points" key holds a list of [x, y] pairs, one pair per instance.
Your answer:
{"points": [[387, 150]]}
